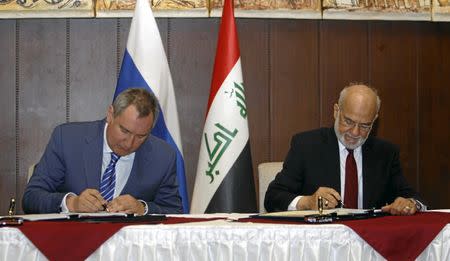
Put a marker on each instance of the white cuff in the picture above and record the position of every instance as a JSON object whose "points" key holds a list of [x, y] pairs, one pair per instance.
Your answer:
{"points": [[145, 206], [63, 206], [419, 205], [293, 205]]}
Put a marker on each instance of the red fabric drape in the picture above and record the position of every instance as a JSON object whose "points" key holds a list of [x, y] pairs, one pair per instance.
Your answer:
{"points": [[399, 238], [72, 240]]}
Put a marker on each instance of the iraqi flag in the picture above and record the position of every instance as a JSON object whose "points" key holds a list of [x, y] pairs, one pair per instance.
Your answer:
{"points": [[224, 180], [145, 65]]}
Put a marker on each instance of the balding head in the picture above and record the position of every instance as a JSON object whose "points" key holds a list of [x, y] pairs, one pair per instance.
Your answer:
{"points": [[360, 95], [355, 113]]}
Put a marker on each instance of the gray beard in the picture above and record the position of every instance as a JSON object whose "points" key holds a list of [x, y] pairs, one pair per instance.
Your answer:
{"points": [[340, 137]]}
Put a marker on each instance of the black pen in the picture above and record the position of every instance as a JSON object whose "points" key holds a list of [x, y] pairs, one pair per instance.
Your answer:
{"points": [[340, 204]]}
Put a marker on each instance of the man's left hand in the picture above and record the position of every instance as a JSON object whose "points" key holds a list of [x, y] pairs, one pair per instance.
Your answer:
{"points": [[401, 206], [126, 204]]}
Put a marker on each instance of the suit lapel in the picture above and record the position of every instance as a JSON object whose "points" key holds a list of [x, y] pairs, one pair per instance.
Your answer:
{"points": [[141, 162], [369, 184], [332, 156], [93, 156]]}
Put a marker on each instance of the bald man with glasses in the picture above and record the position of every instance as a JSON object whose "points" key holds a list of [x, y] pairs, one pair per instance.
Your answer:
{"points": [[344, 164]]}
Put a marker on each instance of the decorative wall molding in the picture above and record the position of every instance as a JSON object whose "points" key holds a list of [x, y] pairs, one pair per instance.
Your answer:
{"points": [[46, 8], [441, 10], [413, 10]]}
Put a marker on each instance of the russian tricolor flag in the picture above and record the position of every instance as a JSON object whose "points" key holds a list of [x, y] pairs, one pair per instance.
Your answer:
{"points": [[145, 64]]}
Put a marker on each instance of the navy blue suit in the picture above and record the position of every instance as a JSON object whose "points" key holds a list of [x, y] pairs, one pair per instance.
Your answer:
{"points": [[313, 162], [72, 162]]}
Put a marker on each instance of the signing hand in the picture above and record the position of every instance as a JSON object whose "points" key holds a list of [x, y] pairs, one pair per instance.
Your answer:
{"points": [[126, 204], [401, 206], [90, 200], [330, 199]]}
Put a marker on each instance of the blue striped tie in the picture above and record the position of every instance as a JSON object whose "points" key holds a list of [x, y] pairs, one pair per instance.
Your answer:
{"points": [[108, 182]]}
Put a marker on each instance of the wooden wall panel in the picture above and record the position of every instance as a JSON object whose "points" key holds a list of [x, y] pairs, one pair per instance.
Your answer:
{"points": [[92, 42], [434, 97], [8, 109], [124, 26], [42, 99], [192, 46], [343, 60], [253, 39], [164, 27], [393, 72], [294, 86]]}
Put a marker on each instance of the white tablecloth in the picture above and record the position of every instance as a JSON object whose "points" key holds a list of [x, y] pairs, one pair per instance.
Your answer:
{"points": [[225, 240]]}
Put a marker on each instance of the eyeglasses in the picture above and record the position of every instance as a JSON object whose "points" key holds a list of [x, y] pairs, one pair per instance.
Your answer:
{"points": [[349, 123]]}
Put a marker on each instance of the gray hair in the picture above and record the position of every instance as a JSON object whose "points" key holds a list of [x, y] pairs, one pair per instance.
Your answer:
{"points": [[144, 102], [343, 94]]}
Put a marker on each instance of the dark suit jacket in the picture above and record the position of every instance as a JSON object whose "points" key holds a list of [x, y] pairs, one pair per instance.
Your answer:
{"points": [[72, 162], [313, 162]]}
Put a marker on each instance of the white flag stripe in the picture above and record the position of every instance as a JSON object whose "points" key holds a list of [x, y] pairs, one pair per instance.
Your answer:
{"points": [[151, 61]]}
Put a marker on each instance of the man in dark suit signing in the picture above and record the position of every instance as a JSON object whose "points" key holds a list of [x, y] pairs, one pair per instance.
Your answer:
{"points": [[113, 164], [344, 164]]}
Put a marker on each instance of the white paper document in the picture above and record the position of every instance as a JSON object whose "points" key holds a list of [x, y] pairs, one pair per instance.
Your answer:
{"points": [[98, 214], [59, 216], [37, 217]]}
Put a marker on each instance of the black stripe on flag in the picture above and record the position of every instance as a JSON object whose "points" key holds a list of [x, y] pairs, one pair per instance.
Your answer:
{"points": [[236, 193]]}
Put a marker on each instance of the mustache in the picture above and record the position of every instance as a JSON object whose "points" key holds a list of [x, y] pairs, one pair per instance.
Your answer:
{"points": [[353, 137]]}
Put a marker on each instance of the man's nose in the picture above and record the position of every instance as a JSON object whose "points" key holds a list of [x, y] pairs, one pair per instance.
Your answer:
{"points": [[355, 130], [129, 141]]}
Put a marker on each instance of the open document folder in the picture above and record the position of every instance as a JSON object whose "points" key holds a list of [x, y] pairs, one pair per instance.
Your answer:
{"points": [[329, 215]]}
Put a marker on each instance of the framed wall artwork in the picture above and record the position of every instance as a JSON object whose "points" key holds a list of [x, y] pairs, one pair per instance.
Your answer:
{"points": [[161, 8], [441, 10], [377, 9], [304, 9], [46, 8]]}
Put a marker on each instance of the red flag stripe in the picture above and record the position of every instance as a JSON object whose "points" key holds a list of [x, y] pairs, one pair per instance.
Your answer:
{"points": [[227, 53]]}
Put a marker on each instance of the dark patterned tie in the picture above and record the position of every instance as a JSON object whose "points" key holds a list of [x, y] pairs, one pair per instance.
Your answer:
{"points": [[351, 182], [108, 182]]}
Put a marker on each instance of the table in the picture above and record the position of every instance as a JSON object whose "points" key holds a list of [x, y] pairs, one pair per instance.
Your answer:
{"points": [[226, 240]]}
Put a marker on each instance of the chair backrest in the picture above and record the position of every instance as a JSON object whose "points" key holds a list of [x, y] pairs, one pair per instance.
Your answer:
{"points": [[266, 173]]}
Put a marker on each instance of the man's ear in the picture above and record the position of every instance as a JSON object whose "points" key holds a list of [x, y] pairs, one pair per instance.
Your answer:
{"points": [[336, 110], [110, 114]]}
